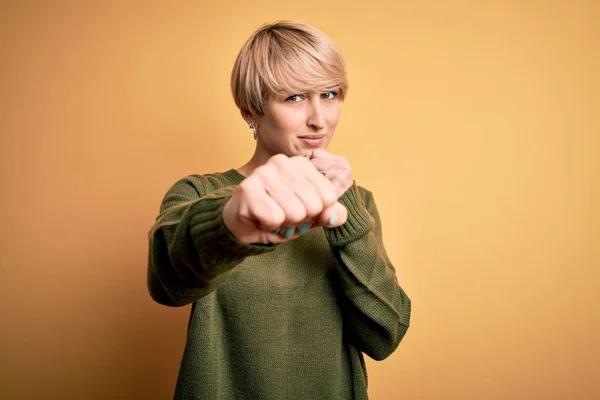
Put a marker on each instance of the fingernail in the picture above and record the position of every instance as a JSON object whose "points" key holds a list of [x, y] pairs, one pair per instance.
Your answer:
{"points": [[303, 228], [332, 219], [275, 231], [288, 232]]}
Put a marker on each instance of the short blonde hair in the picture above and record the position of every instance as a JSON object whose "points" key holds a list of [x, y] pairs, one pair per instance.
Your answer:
{"points": [[286, 56]]}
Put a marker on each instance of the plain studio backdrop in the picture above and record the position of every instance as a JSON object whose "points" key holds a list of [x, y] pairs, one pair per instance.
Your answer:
{"points": [[475, 124]]}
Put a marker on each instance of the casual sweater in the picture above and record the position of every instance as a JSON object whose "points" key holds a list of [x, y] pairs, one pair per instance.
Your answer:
{"points": [[274, 322]]}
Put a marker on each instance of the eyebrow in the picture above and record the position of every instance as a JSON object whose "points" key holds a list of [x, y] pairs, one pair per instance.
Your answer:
{"points": [[291, 92]]}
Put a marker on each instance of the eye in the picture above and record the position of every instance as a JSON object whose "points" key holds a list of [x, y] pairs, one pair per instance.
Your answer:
{"points": [[294, 98], [329, 95]]}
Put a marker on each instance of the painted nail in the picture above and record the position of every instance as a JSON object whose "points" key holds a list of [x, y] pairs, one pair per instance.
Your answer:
{"points": [[303, 228], [275, 231], [332, 219], [288, 232]]}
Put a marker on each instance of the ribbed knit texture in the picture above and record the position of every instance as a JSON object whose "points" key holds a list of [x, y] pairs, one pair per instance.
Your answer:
{"points": [[280, 322]]}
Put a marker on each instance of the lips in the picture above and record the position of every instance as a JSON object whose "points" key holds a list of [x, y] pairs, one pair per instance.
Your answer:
{"points": [[312, 140], [312, 137]]}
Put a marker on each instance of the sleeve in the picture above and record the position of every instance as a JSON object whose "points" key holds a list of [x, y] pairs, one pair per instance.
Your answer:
{"points": [[191, 251], [376, 309]]}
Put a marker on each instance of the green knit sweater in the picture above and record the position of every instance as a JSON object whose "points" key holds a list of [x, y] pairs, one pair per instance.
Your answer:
{"points": [[274, 322]]}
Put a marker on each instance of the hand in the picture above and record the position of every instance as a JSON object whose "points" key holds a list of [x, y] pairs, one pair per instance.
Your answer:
{"points": [[335, 168], [281, 200]]}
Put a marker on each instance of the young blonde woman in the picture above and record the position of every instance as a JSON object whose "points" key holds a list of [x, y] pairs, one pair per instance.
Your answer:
{"points": [[282, 258]]}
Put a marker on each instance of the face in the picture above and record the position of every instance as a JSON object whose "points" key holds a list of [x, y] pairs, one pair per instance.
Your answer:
{"points": [[297, 123]]}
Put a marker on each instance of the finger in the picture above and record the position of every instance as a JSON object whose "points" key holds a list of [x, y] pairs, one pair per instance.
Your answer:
{"points": [[285, 183], [321, 158], [321, 153], [327, 192], [339, 187], [339, 178], [293, 232], [261, 207], [296, 171], [281, 192], [314, 191], [333, 217], [337, 171], [276, 238], [266, 180], [323, 164], [306, 190]]}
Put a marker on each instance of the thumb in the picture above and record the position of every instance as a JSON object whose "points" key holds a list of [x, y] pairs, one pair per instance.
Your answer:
{"points": [[333, 217]]}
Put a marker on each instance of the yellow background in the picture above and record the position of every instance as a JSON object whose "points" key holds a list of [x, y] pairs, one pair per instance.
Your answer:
{"points": [[476, 125]]}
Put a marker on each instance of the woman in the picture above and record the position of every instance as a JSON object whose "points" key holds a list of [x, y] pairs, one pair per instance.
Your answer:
{"points": [[282, 259]]}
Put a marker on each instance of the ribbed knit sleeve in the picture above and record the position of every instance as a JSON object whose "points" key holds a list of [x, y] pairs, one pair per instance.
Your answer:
{"points": [[359, 221], [191, 250], [375, 306]]}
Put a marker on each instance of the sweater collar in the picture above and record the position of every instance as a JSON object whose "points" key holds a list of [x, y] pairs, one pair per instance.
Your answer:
{"points": [[233, 176]]}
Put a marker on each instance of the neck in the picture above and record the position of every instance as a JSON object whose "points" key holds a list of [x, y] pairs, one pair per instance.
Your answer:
{"points": [[258, 159]]}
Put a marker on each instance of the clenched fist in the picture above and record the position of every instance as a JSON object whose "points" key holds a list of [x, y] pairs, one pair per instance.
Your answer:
{"points": [[335, 168], [281, 200]]}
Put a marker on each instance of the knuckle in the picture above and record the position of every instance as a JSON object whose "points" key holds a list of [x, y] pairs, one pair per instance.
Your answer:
{"points": [[314, 208], [263, 169], [299, 162], [329, 196], [304, 160], [247, 185], [265, 172], [269, 215], [278, 159], [296, 215], [277, 218]]}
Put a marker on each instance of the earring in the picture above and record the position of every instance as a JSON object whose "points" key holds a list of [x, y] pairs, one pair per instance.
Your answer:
{"points": [[254, 131]]}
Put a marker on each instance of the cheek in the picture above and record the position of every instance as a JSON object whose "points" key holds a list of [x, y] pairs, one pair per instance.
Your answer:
{"points": [[334, 116], [288, 121]]}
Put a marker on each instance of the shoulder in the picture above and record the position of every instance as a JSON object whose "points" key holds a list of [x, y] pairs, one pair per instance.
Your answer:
{"points": [[192, 187], [201, 184], [205, 183]]}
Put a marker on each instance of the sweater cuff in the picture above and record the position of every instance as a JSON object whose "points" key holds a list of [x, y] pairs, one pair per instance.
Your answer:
{"points": [[359, 221], [217, 248]]}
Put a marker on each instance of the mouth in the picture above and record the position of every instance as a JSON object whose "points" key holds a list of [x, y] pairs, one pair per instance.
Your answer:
{"points": [[312, 140]]}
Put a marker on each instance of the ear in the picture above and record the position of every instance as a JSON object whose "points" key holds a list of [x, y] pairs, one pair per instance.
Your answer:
{"points": [[248, 117]]}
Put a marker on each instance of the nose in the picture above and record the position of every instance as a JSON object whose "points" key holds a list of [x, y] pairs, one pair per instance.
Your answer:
{"points": [[315, 114]]}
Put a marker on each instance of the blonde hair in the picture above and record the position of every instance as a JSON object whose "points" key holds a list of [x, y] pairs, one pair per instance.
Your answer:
{"points": [[286, 56]]}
